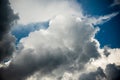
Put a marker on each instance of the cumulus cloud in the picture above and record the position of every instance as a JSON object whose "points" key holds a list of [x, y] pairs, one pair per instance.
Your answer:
{"points": [[67, 41], [108, 62], [42, 10], [112, 57], [96, 75], [62, 50], [111, 72], [66, 50]]}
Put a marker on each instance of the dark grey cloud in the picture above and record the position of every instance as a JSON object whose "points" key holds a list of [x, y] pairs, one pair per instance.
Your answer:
{"points": [[96, 75], [112, 72], [7, 19], [27, 62], [106, 52], [30, 64], [7, 46]]}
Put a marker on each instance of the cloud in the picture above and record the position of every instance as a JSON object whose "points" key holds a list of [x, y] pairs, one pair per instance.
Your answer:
{"points": [[115, 2], [65, 50], [20, 31], [102, 19], [67, 41], [43, 10], [96, 75], [7, 19], [112, 72], [108, 63], [112, 58], [62, 50], [7, 46]]}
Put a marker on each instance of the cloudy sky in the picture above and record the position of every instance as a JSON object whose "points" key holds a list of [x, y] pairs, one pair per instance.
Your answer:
{"points": [[59, 40]]}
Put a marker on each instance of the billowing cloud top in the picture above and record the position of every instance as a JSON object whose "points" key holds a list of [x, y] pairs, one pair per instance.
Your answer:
{"points": [[66, 50], [42, 10]]}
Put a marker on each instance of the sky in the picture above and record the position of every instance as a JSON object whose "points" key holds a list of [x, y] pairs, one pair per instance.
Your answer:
{"points": [[59, 39]]}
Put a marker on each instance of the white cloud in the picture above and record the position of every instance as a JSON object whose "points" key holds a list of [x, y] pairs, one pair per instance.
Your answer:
{"points": [[65, 50], [70, 34], [58, 52], [66, 45], [102, 19], [42, 10], [103, 68], [113, 58]]}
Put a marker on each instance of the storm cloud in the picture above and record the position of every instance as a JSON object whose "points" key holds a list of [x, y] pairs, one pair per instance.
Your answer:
{"points": [[7, 19]]}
